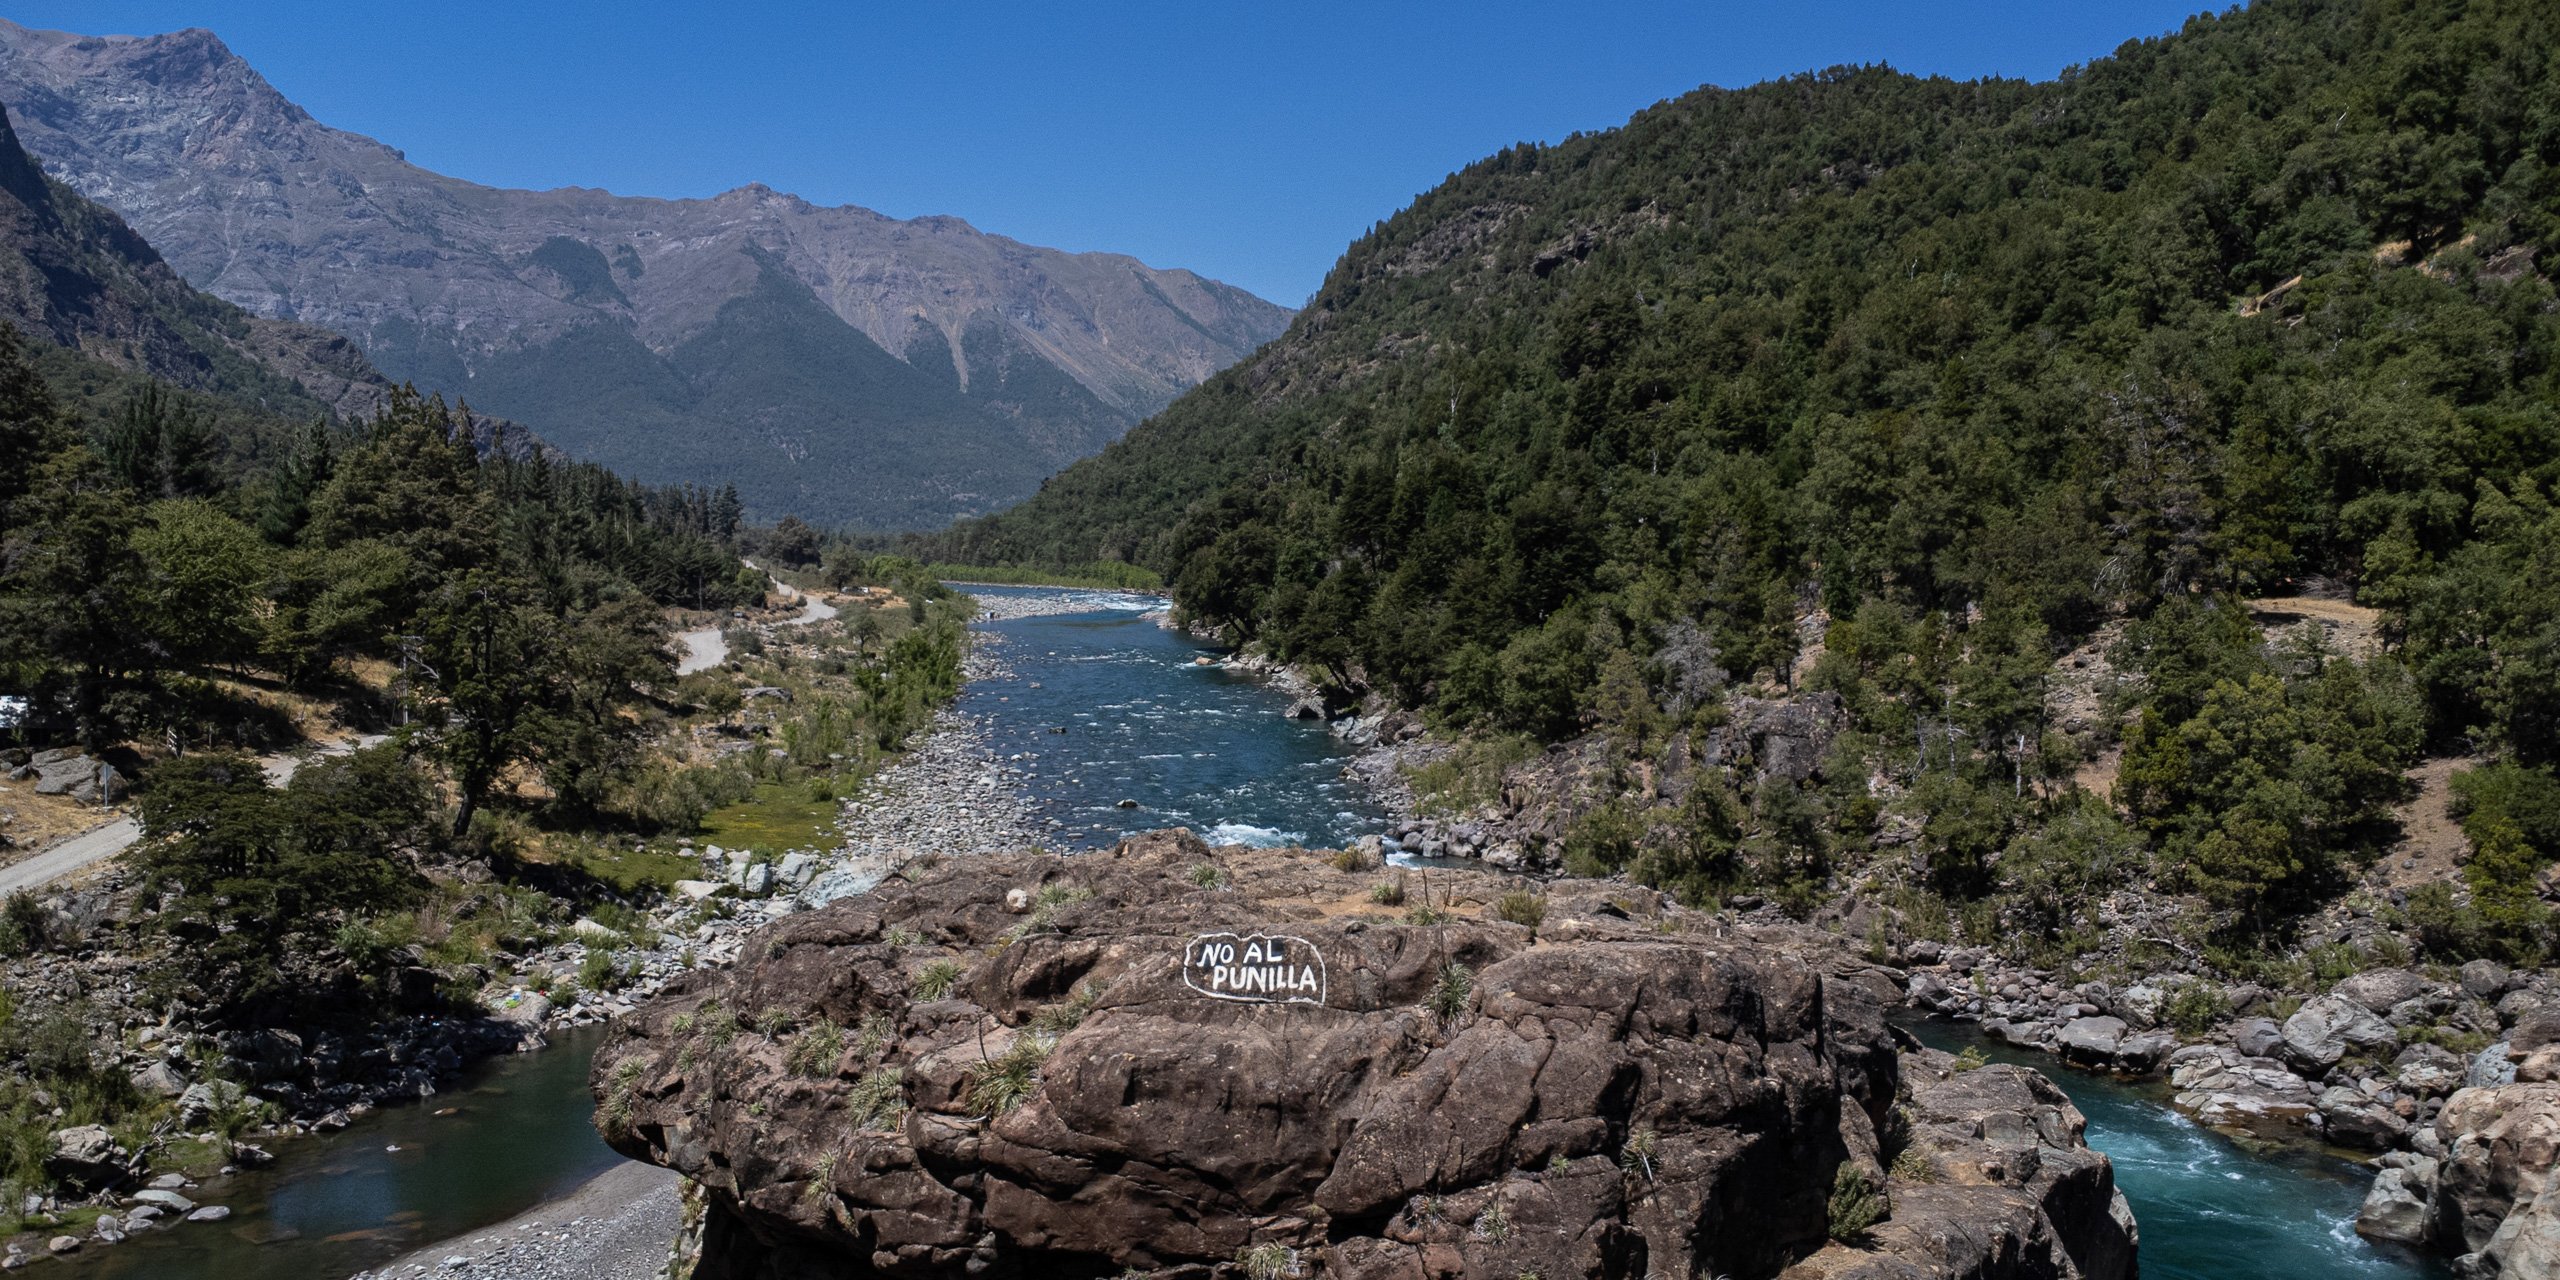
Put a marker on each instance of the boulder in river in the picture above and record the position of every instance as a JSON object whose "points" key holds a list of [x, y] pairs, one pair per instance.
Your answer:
{"points": [[2395, 1209], [1280, 1077]]}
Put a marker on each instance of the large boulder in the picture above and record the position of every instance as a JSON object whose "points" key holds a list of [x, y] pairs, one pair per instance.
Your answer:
{"points": [[2255, 1037], [2428, 1070], [2324, 1030], [2352, 1118], [87, 1156], [2395, 1208], [2380, 989], [1342, 1094], [2484, 979], [2091, 1041]]}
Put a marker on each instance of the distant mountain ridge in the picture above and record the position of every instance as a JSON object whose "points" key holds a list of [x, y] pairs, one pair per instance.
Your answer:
{"points": [[833, 362], [72, 274]]}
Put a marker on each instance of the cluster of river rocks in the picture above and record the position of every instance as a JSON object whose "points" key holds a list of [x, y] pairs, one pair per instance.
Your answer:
{"points": [[2469, 1141]]}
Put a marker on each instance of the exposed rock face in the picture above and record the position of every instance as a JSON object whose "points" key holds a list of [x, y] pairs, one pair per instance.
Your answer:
{"points": [[2489, 1191], [73, 274], [814, 340], [1609, 1096]]}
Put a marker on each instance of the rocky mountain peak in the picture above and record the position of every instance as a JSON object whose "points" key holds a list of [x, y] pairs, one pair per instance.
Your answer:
{"points": [[830, 361]]}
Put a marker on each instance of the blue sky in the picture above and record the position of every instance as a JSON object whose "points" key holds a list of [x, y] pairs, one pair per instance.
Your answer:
{"points": [[1247, 141]]}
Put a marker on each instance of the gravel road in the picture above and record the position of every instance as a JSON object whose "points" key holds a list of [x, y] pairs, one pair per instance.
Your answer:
{"points": [[65, 857]]}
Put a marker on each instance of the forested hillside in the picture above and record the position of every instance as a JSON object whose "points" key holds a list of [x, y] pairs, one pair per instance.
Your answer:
{"points": [[1917, 385]]}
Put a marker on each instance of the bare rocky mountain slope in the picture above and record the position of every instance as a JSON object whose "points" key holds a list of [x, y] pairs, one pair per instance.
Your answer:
{"points": [[72, 274], [830, 361]]}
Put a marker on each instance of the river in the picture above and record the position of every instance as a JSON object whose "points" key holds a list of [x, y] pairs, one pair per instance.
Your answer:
{"points": [[1110, 705], [2211, 1208], [1189, 744], [509, 1136]]}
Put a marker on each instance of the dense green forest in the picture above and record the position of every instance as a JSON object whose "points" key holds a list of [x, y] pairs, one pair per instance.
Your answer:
{"points": [[1961, 373], [173, 570]]}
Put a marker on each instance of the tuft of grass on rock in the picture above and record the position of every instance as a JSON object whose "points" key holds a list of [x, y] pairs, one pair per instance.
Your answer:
{"points": [[1388, 893], [1048, 903], [878, 1100], [876, 1033], [620, 1096], [1636, 1155], [999, 1084], [937, 979], [1059, 1019], [1267, 1262], [817, 1050], [1521, 907]]}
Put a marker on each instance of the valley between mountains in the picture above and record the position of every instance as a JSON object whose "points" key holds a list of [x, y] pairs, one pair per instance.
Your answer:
{"points": [[1867, 675]]}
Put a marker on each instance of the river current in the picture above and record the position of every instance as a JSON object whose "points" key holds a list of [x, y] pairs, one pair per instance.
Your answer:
{"points": [[1190, 744]]}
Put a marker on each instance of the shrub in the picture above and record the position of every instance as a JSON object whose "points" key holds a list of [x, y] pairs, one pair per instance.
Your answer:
{"points": [[600, 971], [2195, 1007], [24, 926], [1208, 876], [1857, 1203], [1449, 991], [1388, 893]]}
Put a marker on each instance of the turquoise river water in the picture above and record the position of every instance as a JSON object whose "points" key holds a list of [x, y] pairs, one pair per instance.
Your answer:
{"points": [[1196, 746]]}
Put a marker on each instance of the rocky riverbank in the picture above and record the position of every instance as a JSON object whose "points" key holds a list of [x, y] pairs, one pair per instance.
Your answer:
{"points": [[616, 1227], [1057, 601], [1022, 1065]]}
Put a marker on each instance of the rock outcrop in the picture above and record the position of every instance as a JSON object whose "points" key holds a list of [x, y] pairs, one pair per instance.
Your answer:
{"points": [[2484, 1183], [1036, 1065]]}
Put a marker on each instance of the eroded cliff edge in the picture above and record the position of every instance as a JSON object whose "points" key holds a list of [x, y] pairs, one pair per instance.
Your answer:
{"points": [[1007, 1066]]}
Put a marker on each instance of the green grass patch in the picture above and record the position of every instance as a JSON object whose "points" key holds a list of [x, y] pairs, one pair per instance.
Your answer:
{"points": [[782, 816], [628, 870], [193, 1157]]}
